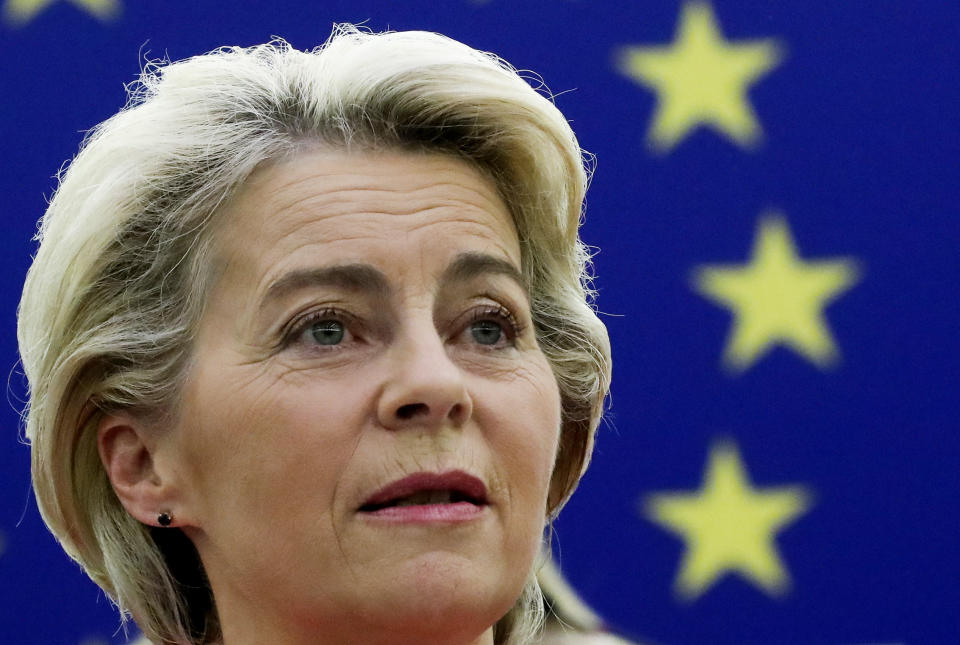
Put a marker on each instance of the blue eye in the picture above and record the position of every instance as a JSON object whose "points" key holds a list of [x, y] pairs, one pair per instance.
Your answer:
{"points": [[327, 332], [486, 332]]}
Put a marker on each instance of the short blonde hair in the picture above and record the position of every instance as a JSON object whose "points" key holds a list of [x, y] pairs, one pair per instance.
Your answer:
{"points": [[120, 279]]}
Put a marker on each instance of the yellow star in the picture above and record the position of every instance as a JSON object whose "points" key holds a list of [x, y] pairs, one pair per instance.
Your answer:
{"points": [[728, 526], [777, 298], [701, 79], [20, 12]]}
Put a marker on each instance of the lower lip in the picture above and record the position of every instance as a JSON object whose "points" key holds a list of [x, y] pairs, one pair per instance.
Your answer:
{"points": [[428, 513]]}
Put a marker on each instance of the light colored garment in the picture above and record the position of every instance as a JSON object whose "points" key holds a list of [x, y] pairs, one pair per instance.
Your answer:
{"points": [[552, 636], [556, 635]]}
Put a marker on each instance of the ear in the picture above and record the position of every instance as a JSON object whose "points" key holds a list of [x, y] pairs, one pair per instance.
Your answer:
{"points": [[126, 446]]}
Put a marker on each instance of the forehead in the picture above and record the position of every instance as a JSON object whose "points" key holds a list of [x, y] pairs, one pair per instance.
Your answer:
{"points": [[375, 207]]}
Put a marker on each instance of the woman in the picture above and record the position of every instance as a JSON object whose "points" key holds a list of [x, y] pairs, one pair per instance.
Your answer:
{"points": [[310, 352]]}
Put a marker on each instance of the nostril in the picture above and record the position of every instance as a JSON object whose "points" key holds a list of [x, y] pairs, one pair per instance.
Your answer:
{"points": [[411, 410]]}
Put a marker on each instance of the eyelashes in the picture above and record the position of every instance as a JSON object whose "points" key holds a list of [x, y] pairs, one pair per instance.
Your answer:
{"points": [[501, 316], [330, 328], [296, 331]]}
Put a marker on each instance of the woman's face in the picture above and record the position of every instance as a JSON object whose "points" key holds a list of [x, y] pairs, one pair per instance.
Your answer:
{"points": [[369, 427]]}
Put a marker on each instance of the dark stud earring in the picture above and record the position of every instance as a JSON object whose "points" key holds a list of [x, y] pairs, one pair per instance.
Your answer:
{"points": [[164, 519]]}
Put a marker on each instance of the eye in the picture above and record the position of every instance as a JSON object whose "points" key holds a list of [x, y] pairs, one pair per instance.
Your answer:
{"points": [[325, 328], [493, 327], [486, 332], [326, 332]]}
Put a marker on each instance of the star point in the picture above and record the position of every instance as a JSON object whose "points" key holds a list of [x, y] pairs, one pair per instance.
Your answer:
{"points": [[20, 12], [701, 79], [777, 299], [729, 526]]}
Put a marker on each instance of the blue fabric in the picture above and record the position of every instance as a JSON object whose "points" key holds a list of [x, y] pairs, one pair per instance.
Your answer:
{"points": [[843, 139]]}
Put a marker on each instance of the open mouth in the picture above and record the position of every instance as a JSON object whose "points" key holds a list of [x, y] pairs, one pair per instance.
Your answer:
{"points": [[424, 498], [428, 489]]}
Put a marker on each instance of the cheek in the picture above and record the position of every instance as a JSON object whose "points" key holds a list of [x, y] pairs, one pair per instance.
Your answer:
{"points": [[269, 451], [524, 429]]}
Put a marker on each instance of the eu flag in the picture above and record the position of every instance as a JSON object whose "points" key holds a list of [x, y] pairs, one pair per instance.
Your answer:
{"points": [[776, 211]]}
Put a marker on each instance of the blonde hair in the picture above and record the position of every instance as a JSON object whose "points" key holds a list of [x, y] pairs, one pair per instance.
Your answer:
{"points": [[119, 282]]}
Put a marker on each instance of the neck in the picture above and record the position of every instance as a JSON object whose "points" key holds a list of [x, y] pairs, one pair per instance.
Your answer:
{"points": [[358, 637]]}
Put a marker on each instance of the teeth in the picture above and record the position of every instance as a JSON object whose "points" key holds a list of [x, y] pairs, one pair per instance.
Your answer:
{"points": [[425, 498]]}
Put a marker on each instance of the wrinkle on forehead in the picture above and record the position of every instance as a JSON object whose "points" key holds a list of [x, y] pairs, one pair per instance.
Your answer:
{"points": [[331, 206], [302, 201], [320, 181]]}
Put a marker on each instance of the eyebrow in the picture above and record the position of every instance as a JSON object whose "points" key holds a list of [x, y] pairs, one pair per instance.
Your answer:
{"points": [[364, 278], [360, 278], [468, 266]]}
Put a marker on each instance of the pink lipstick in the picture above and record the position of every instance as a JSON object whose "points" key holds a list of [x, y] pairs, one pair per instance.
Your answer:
{"points": [[454, 496]]}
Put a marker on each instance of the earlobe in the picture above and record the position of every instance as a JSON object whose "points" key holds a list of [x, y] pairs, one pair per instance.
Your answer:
{"points": [[127, 456]]}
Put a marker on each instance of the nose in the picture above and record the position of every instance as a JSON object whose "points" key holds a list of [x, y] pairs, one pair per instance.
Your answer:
{"points": [[425, 388]]}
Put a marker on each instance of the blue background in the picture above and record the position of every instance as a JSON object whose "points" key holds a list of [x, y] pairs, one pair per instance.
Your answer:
{"points": [[860, 155]]}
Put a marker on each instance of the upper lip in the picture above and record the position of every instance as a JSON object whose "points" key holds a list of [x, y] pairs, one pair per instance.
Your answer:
{"points": [[457, 481]]}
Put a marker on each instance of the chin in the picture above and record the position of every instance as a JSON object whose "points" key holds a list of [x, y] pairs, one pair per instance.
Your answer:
{"points": [[445, 603]]}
